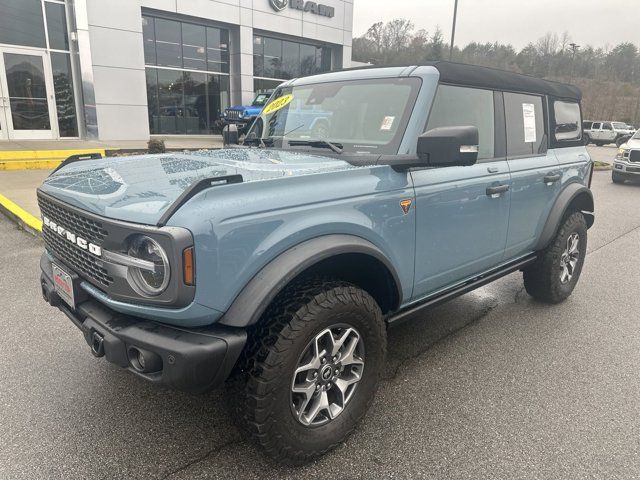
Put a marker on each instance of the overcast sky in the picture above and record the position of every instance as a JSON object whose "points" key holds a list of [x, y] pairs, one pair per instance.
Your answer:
{"points": [[518, 22]]}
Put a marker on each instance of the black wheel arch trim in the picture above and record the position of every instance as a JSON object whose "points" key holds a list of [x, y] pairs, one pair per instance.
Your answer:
{"points": [[259, 292], [570, 193]]}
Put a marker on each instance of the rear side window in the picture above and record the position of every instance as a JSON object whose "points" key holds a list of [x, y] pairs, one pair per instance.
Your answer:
{"points": [[586, 125], [463, 106], [567, 121], [525, 124]]}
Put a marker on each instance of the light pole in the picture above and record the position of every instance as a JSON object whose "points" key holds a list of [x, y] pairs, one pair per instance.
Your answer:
{"points": [[574, 48], [453, 29]]}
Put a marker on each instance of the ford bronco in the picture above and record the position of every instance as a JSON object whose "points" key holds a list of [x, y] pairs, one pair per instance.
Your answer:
{"points": [[279, 264]]}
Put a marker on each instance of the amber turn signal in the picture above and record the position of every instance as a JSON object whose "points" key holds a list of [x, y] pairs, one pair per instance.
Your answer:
{"points": [[188, 267]]}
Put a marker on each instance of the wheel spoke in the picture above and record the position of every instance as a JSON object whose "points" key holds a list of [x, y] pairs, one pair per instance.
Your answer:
{"points": [[565, 273], [349, 357], [320, 403], [575, 240], [338, 343]]}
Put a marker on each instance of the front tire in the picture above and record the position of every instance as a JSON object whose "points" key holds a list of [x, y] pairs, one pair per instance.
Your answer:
{"points": [[555, 273], [616, 177], [311, 369]]}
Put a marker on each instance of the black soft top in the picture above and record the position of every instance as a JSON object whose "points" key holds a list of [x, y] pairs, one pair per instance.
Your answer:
{"points": [[492, 78]]}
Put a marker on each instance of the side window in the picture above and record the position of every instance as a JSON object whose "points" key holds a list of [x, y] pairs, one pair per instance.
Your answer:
{"points": [[567, 121], [525, 124], [596, 126], [461, 106], [586, 125], [607, 126]]}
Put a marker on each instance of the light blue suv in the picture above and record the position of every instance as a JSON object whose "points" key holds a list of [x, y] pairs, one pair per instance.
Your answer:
{"points": [[279, 264]]}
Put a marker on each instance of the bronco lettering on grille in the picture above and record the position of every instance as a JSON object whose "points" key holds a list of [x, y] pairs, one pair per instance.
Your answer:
{"points": [[72, 237]]}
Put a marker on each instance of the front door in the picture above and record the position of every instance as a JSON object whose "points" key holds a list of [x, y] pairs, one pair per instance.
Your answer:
{"points": [[27, 106], [462, 213]]}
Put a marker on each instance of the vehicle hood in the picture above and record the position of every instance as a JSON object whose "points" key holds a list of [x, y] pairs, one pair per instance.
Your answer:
{"points": [[251, 110], [141, 188]]}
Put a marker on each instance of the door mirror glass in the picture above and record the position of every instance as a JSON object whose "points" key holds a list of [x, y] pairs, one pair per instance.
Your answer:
{"points": [[449, 146]]}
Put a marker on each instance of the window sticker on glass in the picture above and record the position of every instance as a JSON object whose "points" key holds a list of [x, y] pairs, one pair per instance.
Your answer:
{"points": [[387, 123], [529, 118], [277, 104]]}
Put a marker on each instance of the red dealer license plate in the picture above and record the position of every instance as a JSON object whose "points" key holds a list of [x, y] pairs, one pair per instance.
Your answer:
{"points": [[63, 284]]}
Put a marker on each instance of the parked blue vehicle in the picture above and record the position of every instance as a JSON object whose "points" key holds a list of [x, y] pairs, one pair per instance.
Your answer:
{"points": [[243, 115], [279, 264]]}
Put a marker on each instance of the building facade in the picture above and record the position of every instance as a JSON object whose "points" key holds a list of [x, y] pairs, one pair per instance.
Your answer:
{"points": [[128, 69]]}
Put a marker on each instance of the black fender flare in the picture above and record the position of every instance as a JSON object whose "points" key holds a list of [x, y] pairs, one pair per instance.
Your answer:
{"points": [[259, 292], [572, 192]]}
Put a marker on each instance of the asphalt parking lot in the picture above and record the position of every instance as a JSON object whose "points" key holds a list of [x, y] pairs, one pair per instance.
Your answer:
{"points": [[491, 385]]}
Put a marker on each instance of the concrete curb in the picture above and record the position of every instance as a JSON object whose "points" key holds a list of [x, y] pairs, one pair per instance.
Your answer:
{"points": [[41, 159], [23, 218]]}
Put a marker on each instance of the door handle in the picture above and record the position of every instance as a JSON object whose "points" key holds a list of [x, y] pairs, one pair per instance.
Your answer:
{"points": [[552, 178], [497, 190]]}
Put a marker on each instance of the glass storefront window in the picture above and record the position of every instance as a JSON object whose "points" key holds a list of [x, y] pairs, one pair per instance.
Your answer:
{"points": [[217, 50], [189, 100], [57, 26], [283, 60], [261, 85], [185, 102], [194, 49], [149, 40], [65, 99], [170, 43], [21, 23]]}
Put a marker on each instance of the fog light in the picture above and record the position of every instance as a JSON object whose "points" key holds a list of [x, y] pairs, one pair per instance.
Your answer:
{"points": [[144, 361]]}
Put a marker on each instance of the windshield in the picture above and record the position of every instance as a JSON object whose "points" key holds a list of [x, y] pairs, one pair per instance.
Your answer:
{"points": [[620, 125], [360, 116], [636, 136], [260, 100]]}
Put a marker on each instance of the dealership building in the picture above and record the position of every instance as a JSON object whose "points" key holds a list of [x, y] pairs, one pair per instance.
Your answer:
{"points": [[131, 69]]}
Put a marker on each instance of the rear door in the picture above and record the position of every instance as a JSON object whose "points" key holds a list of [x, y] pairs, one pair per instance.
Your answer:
{"points": [[596, 131], [461, 226], [608, 134], [535, 174]]}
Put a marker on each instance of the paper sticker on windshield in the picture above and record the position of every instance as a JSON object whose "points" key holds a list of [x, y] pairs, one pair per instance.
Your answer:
{"points": [[277, 104], [387, 123], [529, 118]]}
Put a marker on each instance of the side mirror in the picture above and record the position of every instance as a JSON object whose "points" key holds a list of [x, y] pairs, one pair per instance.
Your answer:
{"points": [[449, 146], [230, 135]]}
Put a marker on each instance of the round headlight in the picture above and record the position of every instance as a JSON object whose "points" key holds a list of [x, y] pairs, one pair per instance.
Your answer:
{"points": [[151, 281]]}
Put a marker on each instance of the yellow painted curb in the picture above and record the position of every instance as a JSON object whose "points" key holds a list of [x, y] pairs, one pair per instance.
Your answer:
{"points": [[21, 214], [40, 159]]}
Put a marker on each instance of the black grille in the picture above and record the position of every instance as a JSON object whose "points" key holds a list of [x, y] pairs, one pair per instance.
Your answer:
{"points": [[85, 264], [233, 114], [634, 156]]}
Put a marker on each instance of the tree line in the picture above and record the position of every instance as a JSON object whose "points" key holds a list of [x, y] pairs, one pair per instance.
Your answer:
{"points": [[609, 77]]}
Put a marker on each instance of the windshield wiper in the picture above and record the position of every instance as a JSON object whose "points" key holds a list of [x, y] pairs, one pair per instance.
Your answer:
{"points": [[261, 142], [317, 143]]}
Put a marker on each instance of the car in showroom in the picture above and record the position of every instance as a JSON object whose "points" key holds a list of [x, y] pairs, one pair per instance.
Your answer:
{"points": [[277, 265], [626, 164]]}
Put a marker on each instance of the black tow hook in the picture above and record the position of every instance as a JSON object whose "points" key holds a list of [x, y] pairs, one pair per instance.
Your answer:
{"points": [[97, 344]]}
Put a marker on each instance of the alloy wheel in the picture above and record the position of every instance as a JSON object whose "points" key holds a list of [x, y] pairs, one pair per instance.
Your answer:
{"points": [[327, 375], [569, 258]]}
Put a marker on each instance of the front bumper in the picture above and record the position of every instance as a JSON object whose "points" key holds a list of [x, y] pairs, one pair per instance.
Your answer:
{"points": [[193, 360], [630, 169]]}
